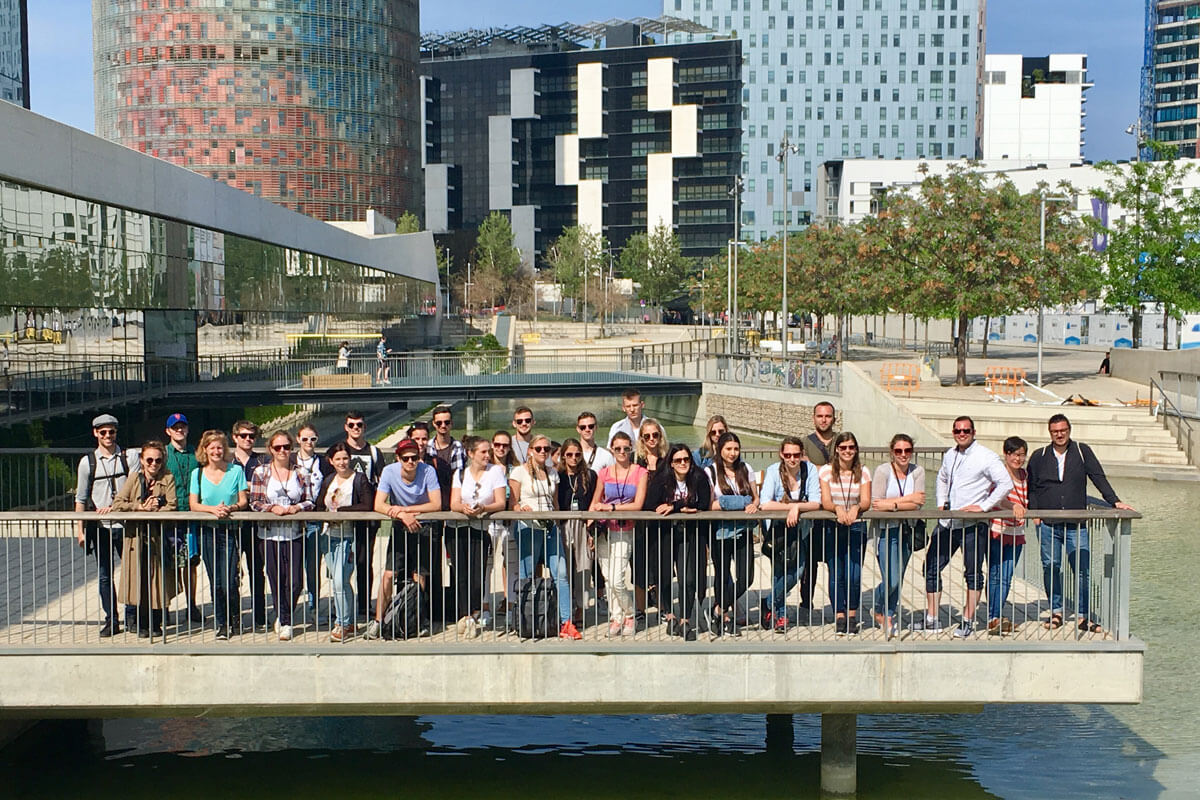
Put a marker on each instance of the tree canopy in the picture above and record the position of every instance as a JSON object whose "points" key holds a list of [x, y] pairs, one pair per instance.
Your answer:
{"points": [[657, 264]]}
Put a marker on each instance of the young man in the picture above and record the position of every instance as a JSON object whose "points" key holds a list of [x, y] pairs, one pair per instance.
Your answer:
{"points": [[181, 460], [245, 433], [100, 475], [383, 369], [595, 456], [366, 459], [972, 478], [407, 488], [816, 452], [632, 405], [317, 468], [523, 433], [1058, 476], [447, 452]]}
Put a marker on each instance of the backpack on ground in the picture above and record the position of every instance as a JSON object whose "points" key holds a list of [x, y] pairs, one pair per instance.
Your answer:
{"points": [[403, 617], [538, 603]]}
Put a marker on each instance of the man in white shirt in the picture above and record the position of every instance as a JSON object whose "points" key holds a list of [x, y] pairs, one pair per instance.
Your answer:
{"points": [[972, 478], [594, 456], [633, 405]]}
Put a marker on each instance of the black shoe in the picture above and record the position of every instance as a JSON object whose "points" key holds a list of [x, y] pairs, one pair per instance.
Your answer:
{"points": [[716, 625], [841, 628], [157, 633], [687, 632], [639, 621], [852, 626], [143, 633], [731, 627], [764, 615], [222, 634], [674, 628], [194, 615], [260, 627], [109, 629]]}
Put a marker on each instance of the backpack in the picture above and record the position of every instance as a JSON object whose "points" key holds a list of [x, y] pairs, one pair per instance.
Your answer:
{"points": [[92, 465], [538, 603], [403, 617]]}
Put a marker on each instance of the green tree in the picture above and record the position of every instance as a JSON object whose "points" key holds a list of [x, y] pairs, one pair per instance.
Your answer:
{"points": [[657, 264], [1152, 254], [408, 223], [500, 273], [575, 252]]}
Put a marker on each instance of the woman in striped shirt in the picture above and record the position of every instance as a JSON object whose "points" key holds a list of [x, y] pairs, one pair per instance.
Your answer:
{"points": [[1007, 537]]}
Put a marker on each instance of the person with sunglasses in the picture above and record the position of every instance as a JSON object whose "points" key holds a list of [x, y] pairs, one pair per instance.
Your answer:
{"points": [[504, 546], [651, 557], [181, 460], [407, 488], [478, 489], [790, 484], [682, 488], [148, 573], [306, 457], [846, 491], [447, 454], [523, 433], [367, 459], [576, 485], [346, 489], [621, 487], [898, 485], [595, 456], [245, 433], [713, 430], [730, 543], [534, 487], [282, 488], [971, 478]]}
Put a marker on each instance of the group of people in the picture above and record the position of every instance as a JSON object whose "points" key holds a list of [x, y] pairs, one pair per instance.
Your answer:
{"points": [[632, 563]]}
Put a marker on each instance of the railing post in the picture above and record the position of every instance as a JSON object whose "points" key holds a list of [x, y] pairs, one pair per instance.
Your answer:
{"points": [[1124, 550]]}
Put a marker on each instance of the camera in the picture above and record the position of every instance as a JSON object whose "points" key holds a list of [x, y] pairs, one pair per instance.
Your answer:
{"points": [[946, 506]]}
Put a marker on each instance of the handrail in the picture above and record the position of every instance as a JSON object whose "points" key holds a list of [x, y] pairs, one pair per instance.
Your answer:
{"points": [[1169, 408]]}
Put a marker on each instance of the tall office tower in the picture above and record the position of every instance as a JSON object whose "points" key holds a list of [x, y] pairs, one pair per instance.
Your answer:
{"points": [[552, 129], [14, 52], [1033, 108], [1170, 76], [313, 105], [845, 79]]}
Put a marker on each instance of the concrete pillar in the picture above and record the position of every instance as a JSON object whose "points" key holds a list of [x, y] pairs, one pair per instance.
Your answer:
{"points": [[781, 735], [470, 417], [839, 754]]}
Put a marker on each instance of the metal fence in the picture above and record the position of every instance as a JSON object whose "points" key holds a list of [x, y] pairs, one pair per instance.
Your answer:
{"points": [[607, 578]]}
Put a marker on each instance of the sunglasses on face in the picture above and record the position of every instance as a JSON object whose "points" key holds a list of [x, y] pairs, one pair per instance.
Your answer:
{"points": [[848, 448], [152, 461], [307, 439], [245, 435], [717, 432], [963, 431], [523, 421], [409, 459], [651, 435], [441, 423], [500, 445], [586, 426], [355, 424], [106, 432], [541, 448], [902, 451], [790, 455], [1062, 432], [680, 460], [281, 448], [572, 455], [621, 449]]}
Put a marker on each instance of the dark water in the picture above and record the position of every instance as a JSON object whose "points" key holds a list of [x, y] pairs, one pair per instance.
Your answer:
{"points": [[1146, 751]]}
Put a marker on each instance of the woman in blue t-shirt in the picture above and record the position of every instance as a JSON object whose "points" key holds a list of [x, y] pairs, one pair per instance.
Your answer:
{"points": [[217, 489]]}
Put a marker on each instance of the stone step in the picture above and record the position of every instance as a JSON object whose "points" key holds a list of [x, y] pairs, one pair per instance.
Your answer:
{"points": [[1035, 430], [1107, 451]]}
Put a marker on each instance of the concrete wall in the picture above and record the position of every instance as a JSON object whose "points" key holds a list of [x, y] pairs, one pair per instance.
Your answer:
{"points": [[1143, 364]]}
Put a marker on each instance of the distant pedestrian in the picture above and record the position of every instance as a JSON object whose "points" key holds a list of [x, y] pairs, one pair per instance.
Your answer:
{"points": [[383, 367], [1106, 364], [343, 359]]}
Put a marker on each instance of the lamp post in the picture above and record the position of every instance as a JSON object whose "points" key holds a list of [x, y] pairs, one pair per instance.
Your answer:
{"points": [[731, 327], [1042, 239], [786, 148], [1135, 130]]}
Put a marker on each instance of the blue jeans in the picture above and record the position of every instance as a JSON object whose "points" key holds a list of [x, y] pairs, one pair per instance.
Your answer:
{"points": [[1002, 558], [1052, 538], [105, 544], [844, 555], [221, 550], [893, 553], [534, 545], [338, 553], [311, 558], [787, 562]]}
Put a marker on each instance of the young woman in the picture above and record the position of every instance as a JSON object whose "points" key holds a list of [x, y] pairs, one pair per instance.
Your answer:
{"points": [[534, 487], [148, 573], [281, 488], [308, 459], [790, 485], [730, 549], [219, 488], [651, 556], [713, 431], [478, 489], [846, 491], [682, 488], [576, 485], [651, 445], [899, 485], [346, 489], [1007, 537], [620, 487]]}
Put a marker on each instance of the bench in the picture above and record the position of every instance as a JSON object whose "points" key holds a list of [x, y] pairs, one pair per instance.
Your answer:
{"points": [[326, 381], [1004, 383], [900, 376]]}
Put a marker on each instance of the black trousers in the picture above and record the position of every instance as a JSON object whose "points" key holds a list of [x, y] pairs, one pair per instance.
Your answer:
{"points": [[364, 549], [256, 565], [686, 548], [733, 561], [469, 549]]}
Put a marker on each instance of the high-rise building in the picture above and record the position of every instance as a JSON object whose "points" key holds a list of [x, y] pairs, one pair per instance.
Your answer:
{"points": [[1033, 108], [539, 124], [14, 52], [845, 79], [1170, 77], [313, 105]]}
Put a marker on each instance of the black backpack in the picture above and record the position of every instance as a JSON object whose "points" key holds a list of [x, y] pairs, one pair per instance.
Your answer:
{"points": [[93, 465], [404, 615], [538, 603]]}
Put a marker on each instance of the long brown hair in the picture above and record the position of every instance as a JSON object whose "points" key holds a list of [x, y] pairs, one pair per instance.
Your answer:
{"points": [[581, 468], [856, 465], [785, 477], [741, 473]]}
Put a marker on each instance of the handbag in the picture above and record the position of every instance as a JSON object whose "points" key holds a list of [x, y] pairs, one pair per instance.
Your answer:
{"points": [[915, 528]]}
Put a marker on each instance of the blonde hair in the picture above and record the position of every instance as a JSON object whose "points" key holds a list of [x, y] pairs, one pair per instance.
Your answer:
{"points": [[660, 450], [207, 438], [533, 468]]}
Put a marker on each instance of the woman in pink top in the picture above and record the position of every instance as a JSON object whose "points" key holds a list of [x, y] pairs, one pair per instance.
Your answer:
{"points": [[619, 487], [1007, 537]]}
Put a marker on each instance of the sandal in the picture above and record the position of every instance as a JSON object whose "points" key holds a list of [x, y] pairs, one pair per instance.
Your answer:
{"points": [[1054, 623], [1087, 626]]}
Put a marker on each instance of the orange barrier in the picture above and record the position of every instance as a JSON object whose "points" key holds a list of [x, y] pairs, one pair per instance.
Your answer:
{"points": [[900, 376], [1005, 382]]}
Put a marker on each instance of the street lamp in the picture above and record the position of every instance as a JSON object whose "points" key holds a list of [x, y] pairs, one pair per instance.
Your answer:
{"points": [[731, 278], [1042, 226], [786, 148], [1135, 130]]}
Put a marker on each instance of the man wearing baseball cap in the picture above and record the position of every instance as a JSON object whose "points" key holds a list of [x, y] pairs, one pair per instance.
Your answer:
{"points": [[181, 460], [100, 475], [407, 488]]}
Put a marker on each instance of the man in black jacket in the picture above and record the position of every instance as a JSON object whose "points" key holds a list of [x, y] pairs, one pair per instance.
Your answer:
{"points": [[1058, 476]]}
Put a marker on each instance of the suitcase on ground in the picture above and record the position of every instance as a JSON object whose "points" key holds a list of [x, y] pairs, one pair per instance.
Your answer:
{"points": [[403, 617], [538, 604]]}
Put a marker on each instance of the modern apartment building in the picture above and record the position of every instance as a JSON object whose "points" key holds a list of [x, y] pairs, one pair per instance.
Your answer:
{"points": [[845, 79], [1033, 108], [1171, 74], [583, 124], [14, 52], [314, 106]]}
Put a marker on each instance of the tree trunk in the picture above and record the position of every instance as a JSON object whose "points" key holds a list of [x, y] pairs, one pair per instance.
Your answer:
{"points": [[1136, 320], [1166, 323], [960, 340], [987, 329], [904, 329]]}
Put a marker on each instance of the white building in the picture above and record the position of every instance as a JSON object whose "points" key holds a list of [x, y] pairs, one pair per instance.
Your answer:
{"points": [[1033, 108]]}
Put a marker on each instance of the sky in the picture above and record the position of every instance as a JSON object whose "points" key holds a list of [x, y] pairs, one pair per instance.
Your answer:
{"points": [[1110, 32]]}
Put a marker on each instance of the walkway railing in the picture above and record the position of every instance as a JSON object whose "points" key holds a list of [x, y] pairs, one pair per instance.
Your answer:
{"points": [[1174, 419], [61, 389], [618, 577]]}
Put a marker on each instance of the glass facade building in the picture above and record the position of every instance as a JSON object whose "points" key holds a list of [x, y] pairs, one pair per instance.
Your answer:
{"points": [[845, 79], [312, 104], [14, 52], [1171, 76]]}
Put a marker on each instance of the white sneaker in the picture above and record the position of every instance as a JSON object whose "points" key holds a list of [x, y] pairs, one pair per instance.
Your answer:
{"points": [[372, 631], [485, 620], [933, 625], [285, 632]]}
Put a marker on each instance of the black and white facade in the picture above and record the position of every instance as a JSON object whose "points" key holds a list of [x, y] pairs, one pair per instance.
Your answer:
{"points": [[619, 138]]}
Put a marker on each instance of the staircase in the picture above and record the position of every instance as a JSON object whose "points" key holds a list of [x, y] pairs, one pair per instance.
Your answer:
{"points": [[1129, 442], [455, 330]]}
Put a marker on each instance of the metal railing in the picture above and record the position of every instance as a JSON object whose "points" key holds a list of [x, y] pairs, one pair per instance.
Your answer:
{"points": [[58, 389], [612, 577], [1170, 411]]}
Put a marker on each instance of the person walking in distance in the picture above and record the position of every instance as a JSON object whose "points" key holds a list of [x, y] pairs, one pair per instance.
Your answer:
{"points": [[383, 368], [971, 478], [1058, 476]]}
